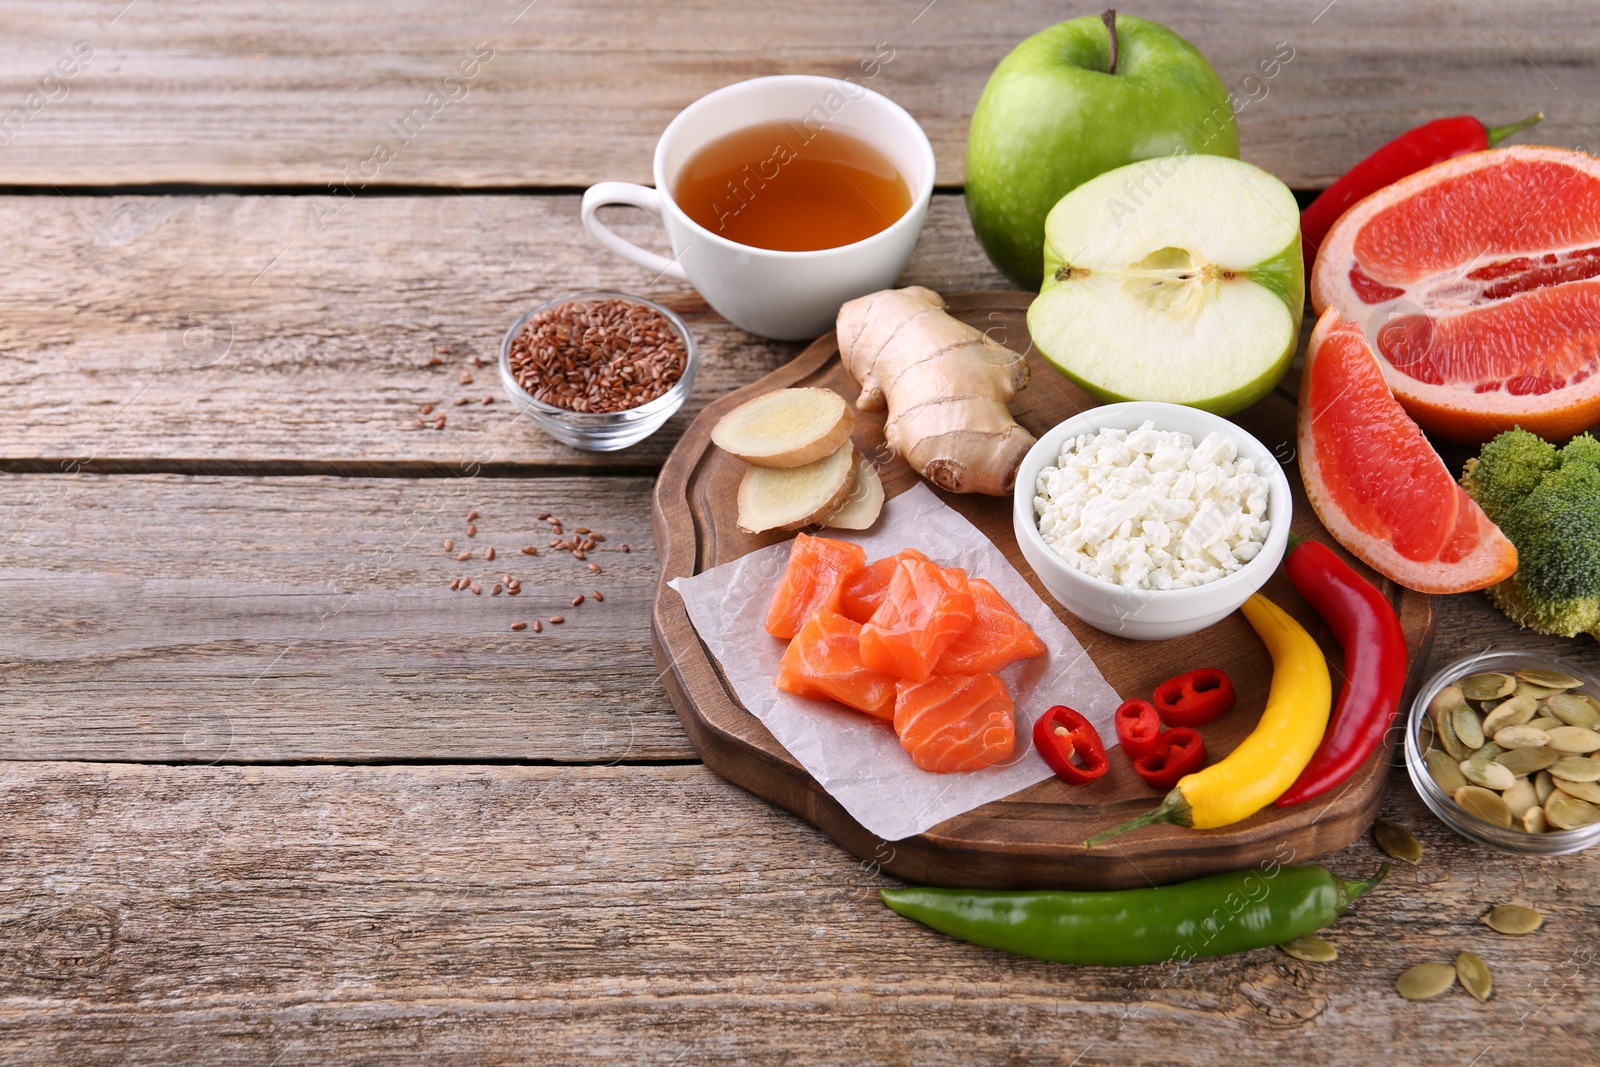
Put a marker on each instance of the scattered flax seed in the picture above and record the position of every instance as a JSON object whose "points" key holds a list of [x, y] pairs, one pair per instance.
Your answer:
{"points": [[580, 529], [438, 424], [625, 548], [529, 550], [515, 590], [543, 515], [577, 600], [461, 401], [435, 362], [556, 543], [579, 553], [472, 530], [556, 527], [422, 423], [595, 567], [537, 626], [557, 619], [472, 515], [477, 361], [477, 590], [463, 557], [597, 537], [497, 590], [427, 409], [488, 554], [519, 626], [466, 377], [448, 544], [443, 350], [488, 400], [455, 583], [596, 594]]}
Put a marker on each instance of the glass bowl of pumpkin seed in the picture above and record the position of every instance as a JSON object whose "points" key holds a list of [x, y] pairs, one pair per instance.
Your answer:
{"points": [[1504, 747]]}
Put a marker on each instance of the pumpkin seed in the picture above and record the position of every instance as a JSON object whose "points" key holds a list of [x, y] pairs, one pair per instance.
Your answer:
{"points": [[1488, 774], [1543, 785], [1544, 722], [1513, 712], [1488, 686], [1537, 692], [1447, 737], [1426, 735], [1425, 981], [1467, 725], [1443, 701], [1574, 710], [1589, 791], [1527, 760], [1567, 812], [1573, 739], [1548, 679], [1513, 919], [1484, 804], [1520, 797], [1489, 751], [1474, 975], [1397, 841], [1534, 822], [1311, 948], [1445, 772], [1576, 769], [1510, 737]]}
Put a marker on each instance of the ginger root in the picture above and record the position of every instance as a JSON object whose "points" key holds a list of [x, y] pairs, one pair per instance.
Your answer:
{"points": [[946, 386]]}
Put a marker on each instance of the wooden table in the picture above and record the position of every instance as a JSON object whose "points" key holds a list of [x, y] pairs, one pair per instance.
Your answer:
{"points": [[274, 794]]}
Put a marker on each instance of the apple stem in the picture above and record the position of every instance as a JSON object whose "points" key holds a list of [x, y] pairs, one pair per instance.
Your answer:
{"points": [[1110, 19]]}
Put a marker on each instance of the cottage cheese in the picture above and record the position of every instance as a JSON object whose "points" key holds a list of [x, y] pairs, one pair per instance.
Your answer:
{"points": [[1150, 509]]}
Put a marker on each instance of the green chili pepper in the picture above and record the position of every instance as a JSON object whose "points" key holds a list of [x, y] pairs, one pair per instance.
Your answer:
{"points": [[1212, 916]]}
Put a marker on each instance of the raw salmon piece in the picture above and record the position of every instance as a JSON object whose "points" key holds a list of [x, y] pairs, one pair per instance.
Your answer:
{"points": [[864, 592], [813, 581], [824, 662], [926, 608], [997, 636], [955, 722]]}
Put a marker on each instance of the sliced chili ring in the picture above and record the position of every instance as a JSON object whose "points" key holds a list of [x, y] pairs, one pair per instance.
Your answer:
{"points": [[1138, 727], [1194, 698], [1070, 745], [1180, 752]]}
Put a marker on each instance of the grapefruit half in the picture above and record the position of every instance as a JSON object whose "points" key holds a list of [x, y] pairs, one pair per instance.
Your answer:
{"points": [[1477, 283], [1376, 483]]}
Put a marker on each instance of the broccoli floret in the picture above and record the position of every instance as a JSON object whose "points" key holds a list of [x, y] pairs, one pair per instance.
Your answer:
{"points": [[1547, 501]]}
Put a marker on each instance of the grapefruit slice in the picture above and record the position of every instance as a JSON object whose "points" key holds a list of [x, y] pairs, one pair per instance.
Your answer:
{"points": [[1477, 283], [1376, 483]]}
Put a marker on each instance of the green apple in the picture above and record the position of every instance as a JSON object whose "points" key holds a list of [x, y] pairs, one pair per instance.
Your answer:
{"points": [[1175, 279], [1052, 117]]}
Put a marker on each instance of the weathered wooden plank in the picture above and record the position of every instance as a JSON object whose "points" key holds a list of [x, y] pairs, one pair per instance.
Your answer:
{"points": [[242, 619], [658, 915], [569, 93], [224, 333]]}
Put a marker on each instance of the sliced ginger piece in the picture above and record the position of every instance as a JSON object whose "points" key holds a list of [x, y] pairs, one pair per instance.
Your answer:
{"points": [[863, 502], [786, 427], [786, 499]]}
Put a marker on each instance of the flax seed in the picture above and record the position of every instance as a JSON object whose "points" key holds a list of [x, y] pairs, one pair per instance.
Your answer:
{"points": [[595, 567], [422, 423], [537, 626], [435, 361], [466, 377], [557, 619], [580, 529], [519, 626], [488, 400], [427, 409], [625, 548], [579, 553], [529, 550], [472, 515], [577, 600], [477, 361], [463, 557], [497, 590], [597, 596], [597, 537], [472, 530], [461, 401], [600, 355], [515, 590], [449, 544], [489, 554], [543, 515], [477, 590], [555, 544], [438, 424]]}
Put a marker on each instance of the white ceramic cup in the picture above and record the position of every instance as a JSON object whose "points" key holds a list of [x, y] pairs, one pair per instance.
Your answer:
{"points": [[789, 296]]}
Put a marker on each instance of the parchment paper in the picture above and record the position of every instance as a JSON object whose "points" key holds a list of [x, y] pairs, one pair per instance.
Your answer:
{"points": [[857, 759]]}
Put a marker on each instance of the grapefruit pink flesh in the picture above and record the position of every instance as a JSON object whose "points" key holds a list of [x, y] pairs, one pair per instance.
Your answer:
{"points": [[1477, 282], [1376, 483]]}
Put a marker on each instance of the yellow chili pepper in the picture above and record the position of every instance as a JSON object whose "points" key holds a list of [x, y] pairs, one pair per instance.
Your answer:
{"points": [[1268, 761]]}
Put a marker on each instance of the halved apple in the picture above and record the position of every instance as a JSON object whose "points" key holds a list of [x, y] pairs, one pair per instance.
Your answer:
{"points": [[1175, 279]]}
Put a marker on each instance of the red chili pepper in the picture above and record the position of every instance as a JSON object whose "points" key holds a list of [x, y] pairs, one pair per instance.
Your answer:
{"points": [[1431, 143], [1179, 752], [1062, 735], [1138, 727], [1374, 665], [1195, 698]]}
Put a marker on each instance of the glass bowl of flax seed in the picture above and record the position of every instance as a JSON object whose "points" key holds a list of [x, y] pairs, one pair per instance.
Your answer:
{"points": [[598, 370]]}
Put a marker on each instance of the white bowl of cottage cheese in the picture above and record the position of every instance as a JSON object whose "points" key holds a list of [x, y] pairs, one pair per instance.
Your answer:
{"points": [[1151, 520]]}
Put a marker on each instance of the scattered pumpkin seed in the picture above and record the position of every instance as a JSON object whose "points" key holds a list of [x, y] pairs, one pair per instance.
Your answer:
{"points": [[1543, 785], [1589, 791], [1573, 739], [1520, 797], [1484, 804], [1527, 760], [1445, 772], [1567, 812], [1513, 712], [1544, 722], [1510, 737], [1534, 822], [1425, 981], [1513, 919], [1548, 679], [1397, 841], [1474, 975], [1311, 948], [1467, 725], [1487, 773], [1488, 686], [1576, 769], [1574, 710]]}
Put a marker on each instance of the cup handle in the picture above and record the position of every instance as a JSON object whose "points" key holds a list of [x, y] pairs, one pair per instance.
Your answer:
{"points": [[598, 196]]}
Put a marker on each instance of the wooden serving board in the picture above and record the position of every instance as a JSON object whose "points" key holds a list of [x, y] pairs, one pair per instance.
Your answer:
{"points": [[1033, 838]]}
